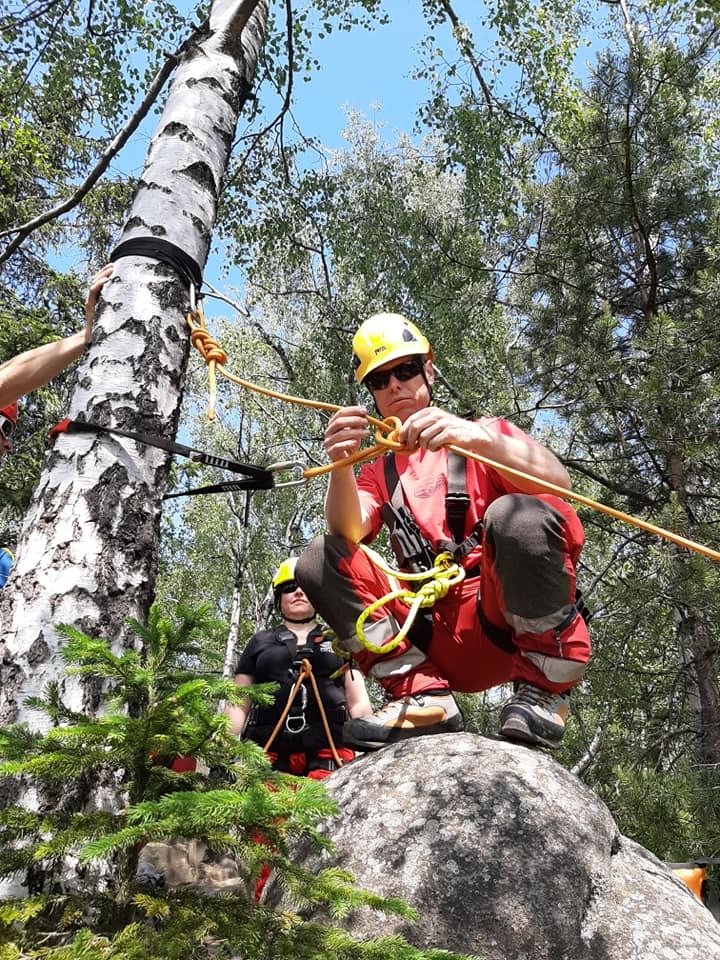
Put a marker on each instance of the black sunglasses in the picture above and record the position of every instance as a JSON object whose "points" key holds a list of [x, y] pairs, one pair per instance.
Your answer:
{"points": [[289, 587], [7, 427], [379, 379]]}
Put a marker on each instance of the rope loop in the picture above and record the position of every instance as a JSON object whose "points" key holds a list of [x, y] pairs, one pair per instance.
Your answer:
{"points": [[444, 575], [386, 435]]}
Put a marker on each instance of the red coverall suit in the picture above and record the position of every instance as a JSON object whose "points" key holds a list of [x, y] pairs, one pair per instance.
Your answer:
{"points": [[512, 618]]}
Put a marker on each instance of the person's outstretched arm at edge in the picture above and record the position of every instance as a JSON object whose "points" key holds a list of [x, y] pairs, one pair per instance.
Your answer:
{"points": [[34, 368]]}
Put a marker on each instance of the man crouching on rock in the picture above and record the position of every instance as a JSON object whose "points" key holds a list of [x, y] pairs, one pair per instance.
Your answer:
{"points": [[512, 619]]}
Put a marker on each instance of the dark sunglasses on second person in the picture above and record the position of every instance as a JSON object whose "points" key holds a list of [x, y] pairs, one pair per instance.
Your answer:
{"points": [[379, 379], [7, 427], [290, 587]]}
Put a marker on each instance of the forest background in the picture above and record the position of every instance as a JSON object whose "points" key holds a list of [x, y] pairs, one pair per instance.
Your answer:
{"points": [[549, 217]]}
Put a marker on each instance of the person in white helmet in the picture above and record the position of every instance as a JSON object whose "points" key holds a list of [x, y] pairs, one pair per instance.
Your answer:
{"points": [[513, 618]]}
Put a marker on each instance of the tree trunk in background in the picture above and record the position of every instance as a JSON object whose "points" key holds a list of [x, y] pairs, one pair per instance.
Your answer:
{"points": [[697, 642], [87, 553], [239, 556]]}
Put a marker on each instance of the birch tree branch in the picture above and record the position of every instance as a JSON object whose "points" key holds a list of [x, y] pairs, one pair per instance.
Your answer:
{"points": [[106, 157]]}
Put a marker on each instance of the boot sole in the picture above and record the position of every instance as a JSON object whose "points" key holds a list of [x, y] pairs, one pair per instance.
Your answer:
{"points": [[517, 730], [401, 734]]}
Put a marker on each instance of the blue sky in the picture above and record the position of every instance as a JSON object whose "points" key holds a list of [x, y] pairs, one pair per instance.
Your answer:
{"points": [[369, 71], [364, 69]]}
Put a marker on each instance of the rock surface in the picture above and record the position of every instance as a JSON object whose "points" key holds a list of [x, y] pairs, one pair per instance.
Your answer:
{"points": [[505, 855]]}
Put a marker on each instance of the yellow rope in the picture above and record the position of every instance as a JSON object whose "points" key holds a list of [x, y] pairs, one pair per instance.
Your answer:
{"points": [[213, 354], [386, 439], [587, 502], [438, 581]]}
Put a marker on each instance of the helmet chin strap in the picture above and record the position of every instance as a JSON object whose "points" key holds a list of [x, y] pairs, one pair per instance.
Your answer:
{"points": [[304, 620]]}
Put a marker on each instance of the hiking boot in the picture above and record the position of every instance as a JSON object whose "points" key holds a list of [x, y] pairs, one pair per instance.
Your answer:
{"points": [[413, 716], [534, 716]]}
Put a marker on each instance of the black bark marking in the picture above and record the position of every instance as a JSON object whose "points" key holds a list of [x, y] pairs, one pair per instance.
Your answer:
{"points": [[201, 174]]}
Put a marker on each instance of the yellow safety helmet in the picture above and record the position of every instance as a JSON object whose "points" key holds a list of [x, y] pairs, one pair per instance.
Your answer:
{"points": [[384, 337], [285, 573]]}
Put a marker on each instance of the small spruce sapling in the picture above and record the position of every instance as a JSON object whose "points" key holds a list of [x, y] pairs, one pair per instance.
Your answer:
{"points": [[105, 788]]}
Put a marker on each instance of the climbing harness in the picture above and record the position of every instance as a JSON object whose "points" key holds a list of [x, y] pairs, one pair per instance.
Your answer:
{"points": [[411, 549], [256, 478], [298, 722]]}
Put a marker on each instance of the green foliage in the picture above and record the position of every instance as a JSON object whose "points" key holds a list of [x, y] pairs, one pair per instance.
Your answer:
{"points": [[558, 241], [162, 703], [49, 306], [70, 78], [615, 293]]}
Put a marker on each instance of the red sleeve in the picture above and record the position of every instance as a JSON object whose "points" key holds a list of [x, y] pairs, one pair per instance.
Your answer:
{"points": [[371, 488], [501, 481]]}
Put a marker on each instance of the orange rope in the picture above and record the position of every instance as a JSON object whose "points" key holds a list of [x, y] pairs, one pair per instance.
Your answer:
{"points": [[213, 354], [305, 671], [587, 502], [386, 439]]}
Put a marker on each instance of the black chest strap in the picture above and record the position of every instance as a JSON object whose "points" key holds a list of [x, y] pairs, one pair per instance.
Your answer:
{"points": [[457, 503], [288, 638]]}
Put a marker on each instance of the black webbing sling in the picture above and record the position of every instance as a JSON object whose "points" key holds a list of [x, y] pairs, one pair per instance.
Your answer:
{"points": [[457, 503], [156, 248], [256, 478]]}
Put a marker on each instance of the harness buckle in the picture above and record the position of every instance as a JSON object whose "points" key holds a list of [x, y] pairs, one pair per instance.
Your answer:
{"points": [[297, 722], [288, 465]]}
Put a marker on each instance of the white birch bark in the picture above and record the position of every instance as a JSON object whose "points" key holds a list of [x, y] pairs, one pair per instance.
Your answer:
{"points": [[87, 554]]}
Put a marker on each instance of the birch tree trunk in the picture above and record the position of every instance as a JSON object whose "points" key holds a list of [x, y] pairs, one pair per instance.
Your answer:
{"points": [[87, 553], [239, 552]]}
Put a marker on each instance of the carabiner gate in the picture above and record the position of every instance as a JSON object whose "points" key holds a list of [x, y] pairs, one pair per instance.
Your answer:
{"points": [[288, 465]]}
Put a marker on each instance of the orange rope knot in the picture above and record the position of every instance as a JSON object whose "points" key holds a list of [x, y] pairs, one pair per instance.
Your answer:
{"points": [[209, 349], [207, 346], [387, 434]]}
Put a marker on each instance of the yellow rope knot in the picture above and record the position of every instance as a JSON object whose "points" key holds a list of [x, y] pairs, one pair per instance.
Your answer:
{"points": [[209, 349], [444, 575], [207, 346], [386, 433], [432, 591]]}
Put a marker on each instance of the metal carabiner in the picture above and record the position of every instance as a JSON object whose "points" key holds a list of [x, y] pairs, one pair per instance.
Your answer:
{"points": [[193, 299], [298, 718], [288, 465]]}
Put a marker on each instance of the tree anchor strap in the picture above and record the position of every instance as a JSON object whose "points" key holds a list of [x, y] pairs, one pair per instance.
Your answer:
{"points": [[156, 248], [257, 478]]}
